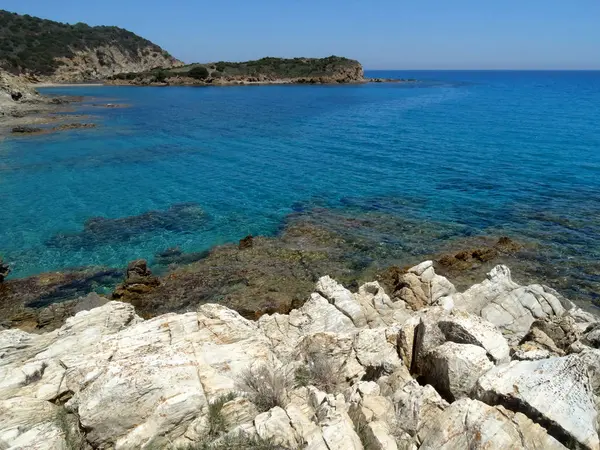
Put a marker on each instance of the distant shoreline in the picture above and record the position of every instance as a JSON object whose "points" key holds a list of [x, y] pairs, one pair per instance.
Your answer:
{"points": [[49, 84]]}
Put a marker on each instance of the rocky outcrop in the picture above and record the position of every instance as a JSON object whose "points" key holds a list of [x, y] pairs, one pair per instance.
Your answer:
{"points": [[15, 89], [511, 307], [470, 424], [104, 61], [347, 370], [330, 70]]}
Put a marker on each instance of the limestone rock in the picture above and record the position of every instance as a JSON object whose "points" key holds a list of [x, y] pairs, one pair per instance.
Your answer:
{"points": [[434, 326], [477, 426], [470, 329], [511, 307], [417, 406], [421, 286], [557, 392], [29, 423], [453, 369]]}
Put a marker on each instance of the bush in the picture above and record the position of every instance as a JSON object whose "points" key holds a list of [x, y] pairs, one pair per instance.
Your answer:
{"points": [[160, 76], [216, 420], [320, 372], [267, 386], [216, 74], [69, 426], [237, 442], [198, 73]]}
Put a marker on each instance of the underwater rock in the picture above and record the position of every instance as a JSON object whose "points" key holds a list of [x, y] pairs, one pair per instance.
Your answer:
{"points": [[4, 270], [43, 302], [468, 259], [100, 230], [246, 242]]}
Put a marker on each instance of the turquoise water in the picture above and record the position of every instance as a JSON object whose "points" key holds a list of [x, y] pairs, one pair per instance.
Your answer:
{"points": [[497, 152]]}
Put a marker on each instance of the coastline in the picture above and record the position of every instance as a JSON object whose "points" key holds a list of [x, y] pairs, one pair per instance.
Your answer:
{"points": [[47, 84]]}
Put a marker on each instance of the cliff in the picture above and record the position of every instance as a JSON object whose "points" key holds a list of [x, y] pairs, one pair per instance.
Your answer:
{"points": [[64, 52], [333, 69], [498, 366]]}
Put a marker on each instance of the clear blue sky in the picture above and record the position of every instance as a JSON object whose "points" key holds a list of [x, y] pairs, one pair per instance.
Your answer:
{"points": [[382, 34]]}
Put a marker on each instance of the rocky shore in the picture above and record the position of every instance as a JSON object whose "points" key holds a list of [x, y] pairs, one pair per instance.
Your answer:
{"points": [[23, 110], [497, 366]]}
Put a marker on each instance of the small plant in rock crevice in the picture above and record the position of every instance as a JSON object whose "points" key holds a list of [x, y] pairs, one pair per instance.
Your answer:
{"points": [[216, 420], [267, 385], [319, 371], [74, 438]]}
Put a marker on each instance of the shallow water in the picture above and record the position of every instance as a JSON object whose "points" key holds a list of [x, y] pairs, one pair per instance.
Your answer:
{"points": [[511, 153]]}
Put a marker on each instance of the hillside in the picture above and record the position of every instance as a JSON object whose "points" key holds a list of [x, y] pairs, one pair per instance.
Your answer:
{"points": [[333, 69], [74, 52]]}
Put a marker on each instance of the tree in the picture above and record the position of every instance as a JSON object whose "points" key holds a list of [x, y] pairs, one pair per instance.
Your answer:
{"points": [[198, 72]]}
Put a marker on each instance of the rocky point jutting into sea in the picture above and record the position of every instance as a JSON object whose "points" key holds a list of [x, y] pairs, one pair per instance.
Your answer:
{"points": [[497, 366]]}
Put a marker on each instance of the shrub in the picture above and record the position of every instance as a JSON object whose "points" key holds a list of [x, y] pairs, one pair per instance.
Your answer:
{"points": [[69, 426], [237, 442], [320, 372], [216, 74], [215, 418], [267, 386], [198, 73], [160, 76]]}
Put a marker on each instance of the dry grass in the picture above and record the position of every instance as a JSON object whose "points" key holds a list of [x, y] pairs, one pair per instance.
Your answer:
{"points": [[320, 372], [267, 385]]}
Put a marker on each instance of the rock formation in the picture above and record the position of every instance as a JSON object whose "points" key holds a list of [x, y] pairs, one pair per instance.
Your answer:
{"points": [[74, 52], [344, 371]]}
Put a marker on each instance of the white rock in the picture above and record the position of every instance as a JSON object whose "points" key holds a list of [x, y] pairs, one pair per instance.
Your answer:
{"points": [[28, 423], [466, 328], [469, 424], [453, 369], [342, 299], [558, 391], [511, 307], [417, 406]]}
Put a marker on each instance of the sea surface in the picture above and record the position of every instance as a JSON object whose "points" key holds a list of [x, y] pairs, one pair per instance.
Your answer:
{"points": [[483, 152]]}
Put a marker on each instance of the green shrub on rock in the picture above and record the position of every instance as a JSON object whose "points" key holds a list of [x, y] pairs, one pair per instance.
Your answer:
{"points": [[198, 73]]}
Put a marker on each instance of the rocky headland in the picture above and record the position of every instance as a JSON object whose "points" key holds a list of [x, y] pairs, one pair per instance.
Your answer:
{"points": [[496, 366], [330, 70], [75, 52]]}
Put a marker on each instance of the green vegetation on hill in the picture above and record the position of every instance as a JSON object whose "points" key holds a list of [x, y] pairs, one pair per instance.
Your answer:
{"points": [[31, 44], [275, 68]]}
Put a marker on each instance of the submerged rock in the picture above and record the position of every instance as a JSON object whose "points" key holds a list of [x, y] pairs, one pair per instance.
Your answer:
{"points": [[4, 270], [101, 231]]}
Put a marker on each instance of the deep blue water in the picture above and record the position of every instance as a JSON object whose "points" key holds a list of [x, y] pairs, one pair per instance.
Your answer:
{"points": [[498, 152]]}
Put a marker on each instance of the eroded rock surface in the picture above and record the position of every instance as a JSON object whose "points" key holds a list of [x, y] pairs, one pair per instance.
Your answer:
{"points": [[346, 370]]}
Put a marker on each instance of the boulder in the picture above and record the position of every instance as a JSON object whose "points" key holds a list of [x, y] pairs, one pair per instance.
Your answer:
{"points": [[509, 306], [343, 300], [420, 286], [434, 326], [417, 407], [29, 423], [453, 369], [474, 425], [556, 393]]}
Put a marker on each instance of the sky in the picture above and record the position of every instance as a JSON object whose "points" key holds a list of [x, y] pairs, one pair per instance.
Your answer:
{"points": [[381, 34]]}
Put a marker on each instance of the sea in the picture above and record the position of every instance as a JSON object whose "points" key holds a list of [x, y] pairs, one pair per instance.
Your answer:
{"points": [[475, 153]]}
